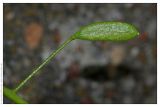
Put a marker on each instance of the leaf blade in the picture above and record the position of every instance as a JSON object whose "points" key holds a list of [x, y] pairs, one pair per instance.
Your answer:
{"points": [[107, 31]]}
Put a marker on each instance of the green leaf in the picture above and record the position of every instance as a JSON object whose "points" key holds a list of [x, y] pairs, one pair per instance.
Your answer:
{"points": [[107, 31], [10, 94], [103, 31]]}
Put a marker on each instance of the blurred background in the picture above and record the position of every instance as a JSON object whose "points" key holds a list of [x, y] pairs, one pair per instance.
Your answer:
{"points": [[85, 71]]}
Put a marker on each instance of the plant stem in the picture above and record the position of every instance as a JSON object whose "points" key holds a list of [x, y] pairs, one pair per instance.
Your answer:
{"points": [[47, 60]]}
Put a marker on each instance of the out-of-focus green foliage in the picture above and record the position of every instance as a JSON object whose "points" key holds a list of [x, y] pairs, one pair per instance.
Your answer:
{"points": [[10, 94]]}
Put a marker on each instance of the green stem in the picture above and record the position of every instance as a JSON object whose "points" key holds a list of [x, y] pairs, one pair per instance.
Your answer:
{"points": [[48, 59]]}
